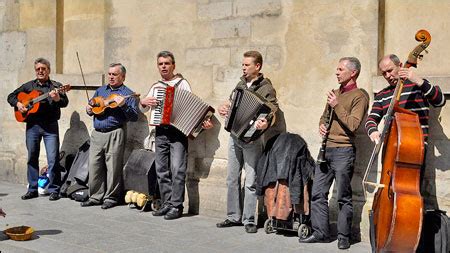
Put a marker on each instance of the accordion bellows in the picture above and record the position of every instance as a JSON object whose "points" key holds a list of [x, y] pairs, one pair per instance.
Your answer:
{"points": [[181, 109], [246, 108]]}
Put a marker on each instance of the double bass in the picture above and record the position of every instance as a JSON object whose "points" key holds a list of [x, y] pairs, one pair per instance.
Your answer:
{"points": [[396, 215]]}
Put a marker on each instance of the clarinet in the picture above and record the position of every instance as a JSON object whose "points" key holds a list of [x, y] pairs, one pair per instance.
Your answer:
{"points": [[321, 156]]}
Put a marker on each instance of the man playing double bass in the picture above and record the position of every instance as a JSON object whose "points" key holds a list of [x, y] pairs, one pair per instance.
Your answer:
{"points": [[350, 105], [416, 96]]}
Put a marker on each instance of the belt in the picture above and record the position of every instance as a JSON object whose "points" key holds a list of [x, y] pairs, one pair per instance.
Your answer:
{"points": [[107, 130]]}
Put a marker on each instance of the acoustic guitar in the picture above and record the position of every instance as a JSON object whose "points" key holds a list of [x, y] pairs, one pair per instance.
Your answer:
{"points": [[31, 101]]}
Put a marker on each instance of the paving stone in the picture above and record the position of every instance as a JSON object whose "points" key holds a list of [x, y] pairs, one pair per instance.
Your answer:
{"points": [[64, 226]]}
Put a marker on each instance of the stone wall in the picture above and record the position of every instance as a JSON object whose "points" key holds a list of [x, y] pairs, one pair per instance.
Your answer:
{"points": [[301, 44]]}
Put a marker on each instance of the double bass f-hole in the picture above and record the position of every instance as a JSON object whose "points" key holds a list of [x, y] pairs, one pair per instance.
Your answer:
{"points": [[389, 189]]}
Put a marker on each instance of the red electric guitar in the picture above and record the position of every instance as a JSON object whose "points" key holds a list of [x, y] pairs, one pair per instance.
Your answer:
{"points": [[31, 101]]}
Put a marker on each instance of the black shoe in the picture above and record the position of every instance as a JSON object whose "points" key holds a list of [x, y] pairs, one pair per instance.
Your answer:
{"points": [[250, 228], [343, 243], [54, 196], [227, 223], [89, 203], [162, 211], [108, 204], [173, 213], [311, 239], [30, 195]]}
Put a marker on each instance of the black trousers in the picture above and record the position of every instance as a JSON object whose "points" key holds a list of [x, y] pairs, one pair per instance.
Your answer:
{"points": [[339, 165]]}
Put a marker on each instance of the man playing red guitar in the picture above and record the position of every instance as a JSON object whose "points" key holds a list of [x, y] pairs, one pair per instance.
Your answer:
{"points": [[42, 124]]}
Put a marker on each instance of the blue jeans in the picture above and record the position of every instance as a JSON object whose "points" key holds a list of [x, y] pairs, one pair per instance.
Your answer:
{"points": [[34, 134], [339, 165], [242, 156]]}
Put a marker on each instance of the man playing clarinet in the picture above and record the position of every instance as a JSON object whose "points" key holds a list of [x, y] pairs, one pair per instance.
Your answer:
{"points": [[348, 106]]}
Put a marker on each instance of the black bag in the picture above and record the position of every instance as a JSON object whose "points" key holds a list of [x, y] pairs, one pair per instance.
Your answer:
{"points": [[435, 233], [79, 170]]}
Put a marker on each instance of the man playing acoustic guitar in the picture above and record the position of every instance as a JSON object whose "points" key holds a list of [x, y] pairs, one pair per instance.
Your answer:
{"points": [[41, 124]]}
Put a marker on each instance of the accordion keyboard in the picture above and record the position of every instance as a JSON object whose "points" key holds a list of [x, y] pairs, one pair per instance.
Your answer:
{"points": [[156, 113]]}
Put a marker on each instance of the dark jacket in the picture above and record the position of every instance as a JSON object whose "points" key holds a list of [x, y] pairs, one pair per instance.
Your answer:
{"points": [[286, 157]]}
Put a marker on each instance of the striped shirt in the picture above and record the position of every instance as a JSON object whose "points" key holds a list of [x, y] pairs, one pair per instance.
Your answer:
{"points": [[414, 98], [116, 117]]}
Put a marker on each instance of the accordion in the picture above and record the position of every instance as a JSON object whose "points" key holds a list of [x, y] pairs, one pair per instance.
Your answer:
{"points": [[181, 109], [246, 108]]}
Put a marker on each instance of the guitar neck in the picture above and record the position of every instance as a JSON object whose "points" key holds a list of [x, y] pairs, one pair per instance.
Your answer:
{"points": [[40, 98]]}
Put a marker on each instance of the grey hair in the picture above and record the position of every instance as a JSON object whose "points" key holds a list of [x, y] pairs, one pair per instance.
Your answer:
{"points": [[123, 70], [166, 54], [352, 63], [394, 58], [42, 61]]}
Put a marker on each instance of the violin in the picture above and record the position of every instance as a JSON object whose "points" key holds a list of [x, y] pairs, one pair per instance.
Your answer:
{"points": [[99, 104]]}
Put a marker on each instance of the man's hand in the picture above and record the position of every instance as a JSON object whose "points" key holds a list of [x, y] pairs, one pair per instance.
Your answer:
{"points": [[21, 107], [261, 124], [207, 124], [332, 99], [322, 130], [149, 101], [224, 108], [54, 95], [89, 110], [410, 74], [120, 101], [375, 137]]}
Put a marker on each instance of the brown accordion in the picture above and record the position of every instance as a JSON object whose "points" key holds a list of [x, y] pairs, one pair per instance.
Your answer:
{"points": [[246, 108], [181, 109]]}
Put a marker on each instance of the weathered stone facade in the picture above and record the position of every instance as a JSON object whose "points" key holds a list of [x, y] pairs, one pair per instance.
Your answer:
{"points": [[301, 42]]}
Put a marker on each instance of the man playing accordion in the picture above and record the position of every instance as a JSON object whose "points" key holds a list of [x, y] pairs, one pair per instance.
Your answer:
{"points": [[171, 143], [243, 155]]}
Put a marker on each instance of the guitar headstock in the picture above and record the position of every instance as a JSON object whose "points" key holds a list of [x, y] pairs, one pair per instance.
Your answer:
{"points": [[64, 88]]}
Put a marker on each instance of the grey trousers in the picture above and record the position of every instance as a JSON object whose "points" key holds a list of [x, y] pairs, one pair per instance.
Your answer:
{"points": [[106, 165], [242, 156], [339, 165], [171, 164]]}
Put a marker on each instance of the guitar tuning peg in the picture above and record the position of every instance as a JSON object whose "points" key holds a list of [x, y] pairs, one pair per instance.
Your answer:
{"points": [[426, 51], [420, 57]]}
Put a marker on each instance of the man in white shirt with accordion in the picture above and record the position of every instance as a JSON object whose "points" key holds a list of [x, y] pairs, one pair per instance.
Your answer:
{"points": [[171, 102], [248, 113]]}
